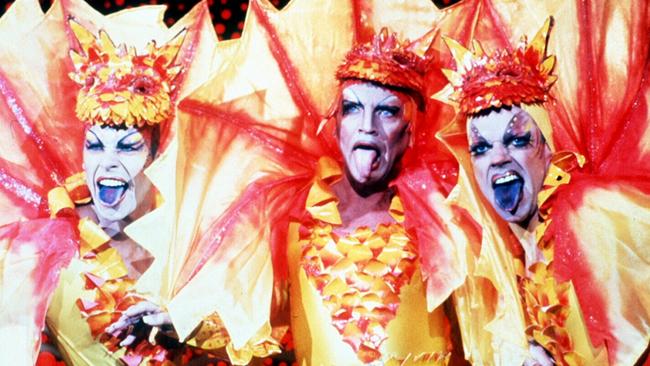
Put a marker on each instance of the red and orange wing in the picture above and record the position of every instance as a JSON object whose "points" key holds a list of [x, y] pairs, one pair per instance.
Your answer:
{"points": [[248, 147], [30, 263], [599, 110]]}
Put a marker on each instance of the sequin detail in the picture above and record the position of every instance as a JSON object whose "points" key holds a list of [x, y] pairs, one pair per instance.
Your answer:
{"points": [[359, 277]]}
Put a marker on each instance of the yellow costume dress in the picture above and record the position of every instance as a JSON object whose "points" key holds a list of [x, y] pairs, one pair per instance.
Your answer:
{"points": [[577, 285], [360, 293]]}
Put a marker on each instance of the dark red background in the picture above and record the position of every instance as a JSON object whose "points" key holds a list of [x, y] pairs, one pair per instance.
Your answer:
{"points": [[227, 15]]}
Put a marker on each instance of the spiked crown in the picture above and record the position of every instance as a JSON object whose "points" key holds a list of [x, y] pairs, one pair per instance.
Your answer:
{"points": [[504, 78], [387, 61], [120, 87]]}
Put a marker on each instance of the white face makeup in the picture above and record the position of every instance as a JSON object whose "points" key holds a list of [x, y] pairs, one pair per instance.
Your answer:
{"points": [[114, 160], [373, 131], [510, 160]]}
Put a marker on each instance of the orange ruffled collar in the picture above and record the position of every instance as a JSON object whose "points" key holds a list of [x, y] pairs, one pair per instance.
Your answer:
{"points": [[322, 203]]}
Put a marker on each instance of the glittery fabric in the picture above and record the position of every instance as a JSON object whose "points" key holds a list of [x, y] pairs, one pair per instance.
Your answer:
{"points": [[549, 302], [360, 277]]}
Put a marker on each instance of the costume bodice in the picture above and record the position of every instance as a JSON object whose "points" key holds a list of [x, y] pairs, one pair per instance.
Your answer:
{"points": [[350, 308], [359, 298], [69, 329], [100, 268]]}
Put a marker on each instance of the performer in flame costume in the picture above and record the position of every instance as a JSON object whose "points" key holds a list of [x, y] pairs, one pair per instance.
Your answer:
{"points": [[352, 268], [558, 181], [70, 92], [340, 228]]}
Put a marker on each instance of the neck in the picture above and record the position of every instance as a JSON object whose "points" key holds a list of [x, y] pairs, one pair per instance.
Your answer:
{"points": [[531, 222], [111, 227], [353, 204], [116, 227]]}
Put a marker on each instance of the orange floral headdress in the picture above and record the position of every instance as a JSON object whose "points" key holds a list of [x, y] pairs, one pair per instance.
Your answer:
{"points": [[387, 61], [120, 87], [504, 78]]}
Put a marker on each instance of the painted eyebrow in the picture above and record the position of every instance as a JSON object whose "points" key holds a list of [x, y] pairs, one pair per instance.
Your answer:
{"points": [[350, 101], [388, 102], [388, 99], [520, 117], [354, 98], [127, 136], [480, 140], [97, 137], [474, 133]]}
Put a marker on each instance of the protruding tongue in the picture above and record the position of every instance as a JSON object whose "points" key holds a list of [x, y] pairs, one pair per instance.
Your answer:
{"points": [[364, 159], [110, 195], [507, 195]]}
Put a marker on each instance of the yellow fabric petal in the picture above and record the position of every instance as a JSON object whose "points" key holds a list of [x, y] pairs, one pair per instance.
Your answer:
{"points": [[261, 345], [396, 209], [58, 201], [92, 236], [328, 169], [321, 202], [109, 265]]}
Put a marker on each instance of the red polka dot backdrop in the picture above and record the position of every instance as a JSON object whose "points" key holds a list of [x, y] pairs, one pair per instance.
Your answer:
{"points": [[227, 15]]}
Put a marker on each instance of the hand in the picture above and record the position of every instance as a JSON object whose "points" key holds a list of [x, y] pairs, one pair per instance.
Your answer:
{"points": [[538, 356], [145, 311]]}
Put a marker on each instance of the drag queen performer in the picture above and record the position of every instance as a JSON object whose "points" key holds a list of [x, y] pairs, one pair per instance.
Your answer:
{"points": [[117, 106], [331, 220], [567, 172]]}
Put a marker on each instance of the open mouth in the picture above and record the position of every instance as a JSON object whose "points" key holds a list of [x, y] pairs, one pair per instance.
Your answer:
{"points": [[366, 158], [508, 190], [111, 190]]}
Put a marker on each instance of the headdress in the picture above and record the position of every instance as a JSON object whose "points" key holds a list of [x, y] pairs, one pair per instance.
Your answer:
{"points": [[120, 87], [504, 78], [387, 61]]}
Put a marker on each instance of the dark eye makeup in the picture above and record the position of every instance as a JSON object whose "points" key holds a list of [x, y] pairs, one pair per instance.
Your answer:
{"points": [[480, 148], [93, 143], [517, 140], [389, 110], [349, 106], [126, 144], [131, 146]]}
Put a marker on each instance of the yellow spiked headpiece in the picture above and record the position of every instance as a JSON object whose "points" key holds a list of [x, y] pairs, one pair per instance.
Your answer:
{"points": [[387, 61], [120, 87], [504, 78]]}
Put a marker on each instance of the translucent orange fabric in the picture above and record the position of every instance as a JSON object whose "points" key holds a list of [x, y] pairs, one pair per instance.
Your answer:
{"points": [[599, 221], [42, 139], [248, 150], [30, 262]]}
